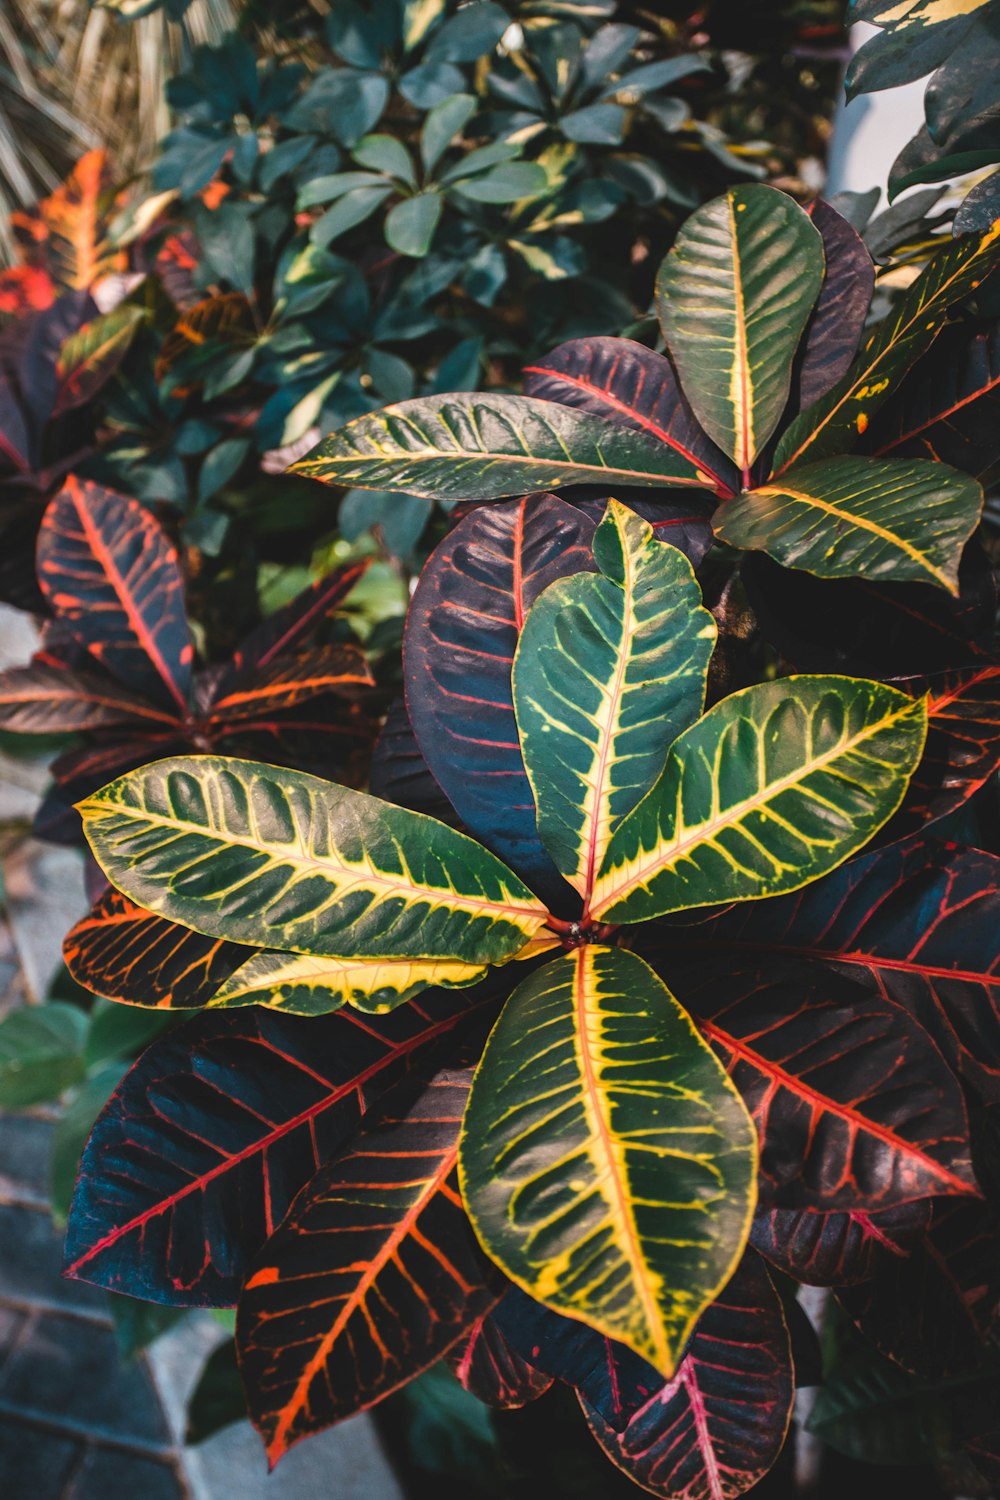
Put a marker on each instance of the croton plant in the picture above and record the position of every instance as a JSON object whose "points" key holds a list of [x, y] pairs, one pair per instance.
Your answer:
{"points": [[640, 993]]}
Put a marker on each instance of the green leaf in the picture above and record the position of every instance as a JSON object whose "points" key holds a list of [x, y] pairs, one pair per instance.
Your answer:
{"points": [[835, 422], [41, 1053], [350, 210], [734, 296], [383, 153], [483, 447], [443, 123], [607, 1163], [481, 160], [859, 518], [329, 189], [279, 859], [597, 125], [777, 785], [308, 986], [609, 670], [506, 183], [410, 225]]}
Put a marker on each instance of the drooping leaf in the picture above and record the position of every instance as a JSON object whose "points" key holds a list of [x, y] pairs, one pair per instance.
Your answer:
{"points": [[915, 922], [491, 1369], [850, 517], [610, 668], [89, 358], [288, 681], [484, 446], [628, 383], [462, 630], [609, 1377], [199, 1153], [717, 1427], [607, 1164], [734, 296], [111, 575], [373, 1276], [44, 699], [277, 858], [837, 321], [775, 786], [823, 1249], [853, 1105], [301, 985], [934, 1312], [834, 423], [947, 408]]}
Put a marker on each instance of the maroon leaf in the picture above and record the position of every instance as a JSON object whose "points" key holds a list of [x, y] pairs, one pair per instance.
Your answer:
{"points": [[288, 627], [373, 1276], [46, 699], [916, 923], [14, 441], [715, 1429], [108, 570], [963, 743], [934, 1312], [127, 954], [610, 1378], [286, 682], [854, 1106], [198, 1154], [462, 630], [399, 772], [834, 329], [838, 1249], [492, 1370], [628, 383]]}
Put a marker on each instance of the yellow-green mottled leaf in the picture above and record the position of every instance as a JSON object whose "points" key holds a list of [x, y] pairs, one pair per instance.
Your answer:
{"points": [[306, 985], [607, 1162]]}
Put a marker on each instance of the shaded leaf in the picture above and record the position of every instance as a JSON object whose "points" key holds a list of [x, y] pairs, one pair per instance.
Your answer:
{"points": [[838, 318], [492, 1370], [288, 681], [89, 358], [823, 1249], [44, 699]]}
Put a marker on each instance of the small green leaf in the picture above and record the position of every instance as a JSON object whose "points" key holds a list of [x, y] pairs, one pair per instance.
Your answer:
{"points": [[507, 183], [384, 153], [410, 225], [443, 123], [349, 211], [41, 1053]]}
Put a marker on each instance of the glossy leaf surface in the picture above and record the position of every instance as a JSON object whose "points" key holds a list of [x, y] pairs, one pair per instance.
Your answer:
{"points": [[963, 743], [854, 1106], [490, 1368], [109, 572], [948, 407], [288, 681], [733, 296], [838, 1249], [834, 423], [836, 323], [305, 986], [464, 622], [858, 517], [775, 786], [270, 857], [483, 447], [125, 953], [372, 1277], [626, 382], [197, 1156], [607, 1164], [44, 699], [717, 1427], [609, 670]]}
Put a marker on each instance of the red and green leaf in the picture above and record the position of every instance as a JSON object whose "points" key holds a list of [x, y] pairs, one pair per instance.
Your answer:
{"points": [[46, 699], [110, 573], [963, 743], [717, 1427], [489, 1367], [291, 626], [89, 358], [197, 1156], [464, 623], [373, 1276], [287, 681]]}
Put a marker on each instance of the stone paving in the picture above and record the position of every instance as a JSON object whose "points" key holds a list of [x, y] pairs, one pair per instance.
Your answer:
{"points": [[76, 1423]]}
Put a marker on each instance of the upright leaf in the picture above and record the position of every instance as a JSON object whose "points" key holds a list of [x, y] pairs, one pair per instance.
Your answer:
{"points": [[72, 225], [609, 670], [734, 296], [199, 1153], [836, 323], [110, 574], [89, 358], [372, 1277], [483, 447], [854, 1106], [628, 383], [717, 1427], [775, 786], [127, 954], [857, 517], [276, 858], [834, 423], [607, 1164], [462, 630]]}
